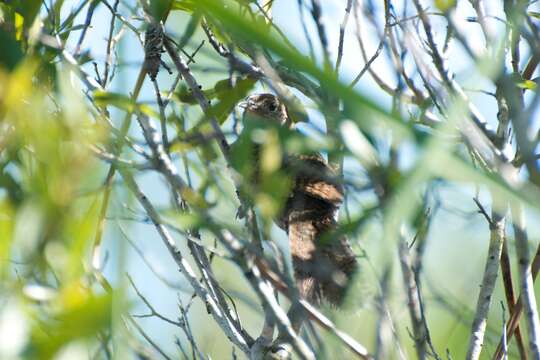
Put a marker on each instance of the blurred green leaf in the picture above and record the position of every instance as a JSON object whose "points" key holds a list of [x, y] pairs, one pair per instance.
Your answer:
{"points": [[221, 90], [534, 14], [527, 84], [229, 96], [104, 98], [28, 10], [185, 220], [445, 5], [191, 27], [11, 53], [12, 187], [159, 9], [184, 5], [271, 154], [82, 315], [6, 235]]}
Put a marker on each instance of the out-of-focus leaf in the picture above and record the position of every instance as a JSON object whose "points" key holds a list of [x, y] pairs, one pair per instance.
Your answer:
{"points": [[445, 5], [184, 5], [192, 25], [181, 146], [271, 154], [185, 220], [6, 234], [272, 193], [527, 84], [83, 316], [160, 8], [28, 9], [123, 102], [359, 145], [534, 14], [185, 95], [19, 26], [194, 199], [11, 53], [209, 151], [39, 293], [227, 95], [296, 110], [80, 231], [12, 187]]}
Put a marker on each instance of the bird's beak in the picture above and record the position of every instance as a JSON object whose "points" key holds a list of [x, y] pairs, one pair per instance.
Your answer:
{"points": [[248, 102]]}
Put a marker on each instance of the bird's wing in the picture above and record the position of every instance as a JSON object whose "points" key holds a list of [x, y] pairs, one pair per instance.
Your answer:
{"points": [[316, 178]]}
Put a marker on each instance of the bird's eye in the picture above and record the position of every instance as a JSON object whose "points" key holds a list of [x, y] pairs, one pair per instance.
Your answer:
{"points": [[272, 107]]}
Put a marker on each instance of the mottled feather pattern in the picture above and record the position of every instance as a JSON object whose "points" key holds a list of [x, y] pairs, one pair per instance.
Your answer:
{"points": [[323, 262], [316, 178], [322, 270]]}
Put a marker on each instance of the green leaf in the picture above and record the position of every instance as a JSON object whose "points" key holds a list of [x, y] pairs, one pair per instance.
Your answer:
{"points": [[104, 98], [84, 317], [159, 9], [445, 5], [184, 5], [13, 188], [29, 10], [190, 29], [11, 53], [527, 84], [534, 14], [229, 96]]}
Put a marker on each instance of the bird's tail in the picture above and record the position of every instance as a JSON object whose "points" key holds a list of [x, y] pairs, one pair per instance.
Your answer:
{"points": [[322, 269]]}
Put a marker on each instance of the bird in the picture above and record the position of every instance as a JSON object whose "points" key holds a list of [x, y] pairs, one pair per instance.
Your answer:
{"points": [[323, 260]]}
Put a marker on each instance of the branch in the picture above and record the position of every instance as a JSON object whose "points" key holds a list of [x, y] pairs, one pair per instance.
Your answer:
{"points": [[527, 285], [221, 319], [487, 286], [419, 333]]}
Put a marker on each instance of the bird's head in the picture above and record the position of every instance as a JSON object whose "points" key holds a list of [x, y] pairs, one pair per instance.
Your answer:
{"points": [[266, 107]]}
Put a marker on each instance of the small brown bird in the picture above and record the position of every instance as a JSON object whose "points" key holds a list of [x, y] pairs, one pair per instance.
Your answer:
{"points": [[323, 263]]}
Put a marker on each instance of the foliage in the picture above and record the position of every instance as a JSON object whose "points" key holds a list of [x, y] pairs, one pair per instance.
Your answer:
{"points": [[90, 169]]}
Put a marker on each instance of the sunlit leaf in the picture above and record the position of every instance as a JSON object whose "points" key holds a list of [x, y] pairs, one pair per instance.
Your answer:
{"points": [[6, 235], [229, 96], [527, 84], [445, 5], [271, 154], [28, 9], [184, 5], [94, 311], [104, 98], [534, 14]]}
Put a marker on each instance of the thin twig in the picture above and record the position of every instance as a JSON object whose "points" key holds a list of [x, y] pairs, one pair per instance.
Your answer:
{"points": [[342, 30]]}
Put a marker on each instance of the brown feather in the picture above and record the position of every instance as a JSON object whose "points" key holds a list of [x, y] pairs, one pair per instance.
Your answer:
{"points": [[322, 269]]}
